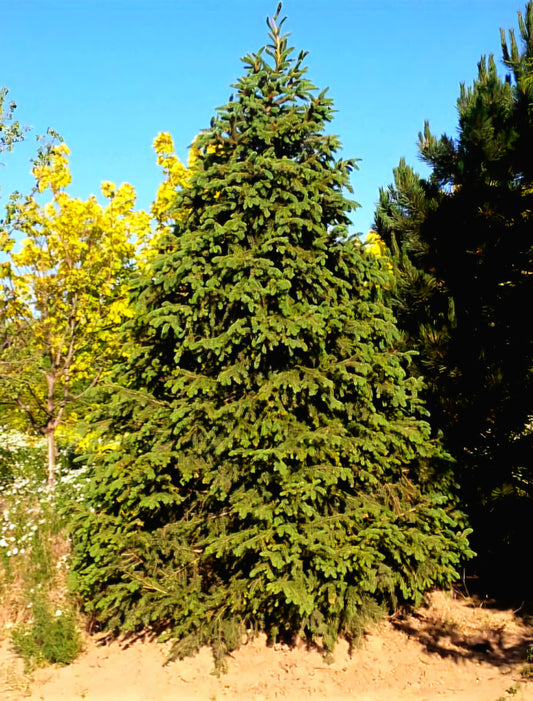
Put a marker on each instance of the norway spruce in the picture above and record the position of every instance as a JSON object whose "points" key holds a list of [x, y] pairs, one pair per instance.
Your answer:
{"points": [[267, 464]]}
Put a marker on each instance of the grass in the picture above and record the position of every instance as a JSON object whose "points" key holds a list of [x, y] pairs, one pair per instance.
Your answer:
{"points": [[49, 637], [12, 681], [36, 610], [527, 671]]}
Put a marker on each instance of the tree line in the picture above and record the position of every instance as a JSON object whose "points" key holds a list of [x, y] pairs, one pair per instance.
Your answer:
{"points": [[289, 430]]}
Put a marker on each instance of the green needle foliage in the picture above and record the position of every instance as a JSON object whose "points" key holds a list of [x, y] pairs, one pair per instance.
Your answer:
{"points": [[268, 465], [464, 258]]}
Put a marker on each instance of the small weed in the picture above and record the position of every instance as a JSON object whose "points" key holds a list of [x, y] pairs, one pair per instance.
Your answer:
{"points": [[449, 625], [48, 638], [527, 671], [529, 653], [513, 690]]}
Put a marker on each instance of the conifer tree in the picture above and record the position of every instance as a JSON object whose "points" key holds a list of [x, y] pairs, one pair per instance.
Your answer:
{"points": [[423, 308], [467, 231], [266, 463]]}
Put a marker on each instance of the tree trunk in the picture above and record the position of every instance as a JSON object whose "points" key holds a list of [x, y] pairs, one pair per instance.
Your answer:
{"points": [[50, 430], [52, 454]]}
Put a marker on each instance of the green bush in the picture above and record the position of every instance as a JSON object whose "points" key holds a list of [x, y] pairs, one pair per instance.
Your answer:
{"points": [[50, 637]]}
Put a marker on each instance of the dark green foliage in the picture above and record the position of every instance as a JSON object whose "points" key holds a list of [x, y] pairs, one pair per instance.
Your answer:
{"points": [[464, 249], [423, 306], [268, 464]]}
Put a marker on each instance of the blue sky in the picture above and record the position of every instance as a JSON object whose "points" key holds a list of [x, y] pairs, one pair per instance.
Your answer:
{"points": [[108, 75]]}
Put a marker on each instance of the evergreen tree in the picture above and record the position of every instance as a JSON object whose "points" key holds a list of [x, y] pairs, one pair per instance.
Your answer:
{"points": [[423, 307], [267, 465], [467, 230]]}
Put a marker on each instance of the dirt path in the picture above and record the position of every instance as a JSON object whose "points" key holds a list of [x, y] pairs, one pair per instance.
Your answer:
{"points": [[448, 651]]}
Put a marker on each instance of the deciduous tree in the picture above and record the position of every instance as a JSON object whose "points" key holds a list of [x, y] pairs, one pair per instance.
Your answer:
{"points": [[62, 293], [11, 130]]}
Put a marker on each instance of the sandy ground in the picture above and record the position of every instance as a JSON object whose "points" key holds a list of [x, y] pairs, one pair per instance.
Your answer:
{"points": [[450, 650]]}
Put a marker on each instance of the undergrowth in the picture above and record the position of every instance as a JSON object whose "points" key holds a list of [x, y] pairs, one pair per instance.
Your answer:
{"points": [[36, 610]]}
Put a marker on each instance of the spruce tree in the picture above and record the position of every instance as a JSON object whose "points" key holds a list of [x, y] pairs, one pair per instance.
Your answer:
{"points": [[467, 230], [268, 462]]}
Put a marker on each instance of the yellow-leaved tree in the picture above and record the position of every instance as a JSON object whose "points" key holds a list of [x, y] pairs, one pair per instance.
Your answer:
{"points": [[63, 294], [163, 210]]}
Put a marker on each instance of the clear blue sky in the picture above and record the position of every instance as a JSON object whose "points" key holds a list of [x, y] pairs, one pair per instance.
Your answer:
{"points": [[109, 75]]}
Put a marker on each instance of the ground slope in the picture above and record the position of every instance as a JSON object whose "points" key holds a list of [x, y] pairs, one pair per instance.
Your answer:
{"points": [[451, 650]]}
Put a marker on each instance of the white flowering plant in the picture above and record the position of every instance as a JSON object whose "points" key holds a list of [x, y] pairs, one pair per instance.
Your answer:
{"points": [[34, 600]]}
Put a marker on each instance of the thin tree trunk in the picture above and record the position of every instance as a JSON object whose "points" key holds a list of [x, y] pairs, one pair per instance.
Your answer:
{"points": [[52, 454], [50, 431]]}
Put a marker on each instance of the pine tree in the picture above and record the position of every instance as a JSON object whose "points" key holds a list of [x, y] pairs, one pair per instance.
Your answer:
{"points": [[423, 307], [268, 465], [469, 233]]}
